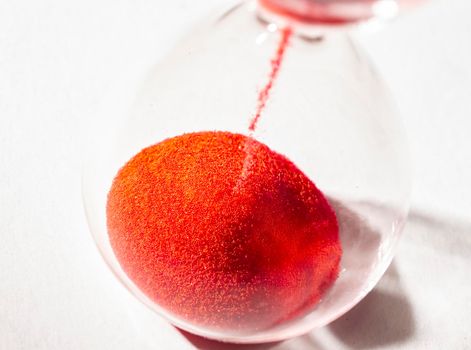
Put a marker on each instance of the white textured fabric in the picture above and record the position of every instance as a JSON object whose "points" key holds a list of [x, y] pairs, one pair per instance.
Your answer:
{"points": [[64, 62]]}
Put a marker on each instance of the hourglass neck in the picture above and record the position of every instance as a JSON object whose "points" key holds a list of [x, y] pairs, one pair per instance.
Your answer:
{"points": [[328, 13]]}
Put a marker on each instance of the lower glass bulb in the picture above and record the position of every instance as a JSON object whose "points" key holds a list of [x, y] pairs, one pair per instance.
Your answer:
{"points": [[261, 184]]}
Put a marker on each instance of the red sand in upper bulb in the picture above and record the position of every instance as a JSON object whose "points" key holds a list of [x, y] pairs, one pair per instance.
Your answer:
{"points": [[223, 232]]}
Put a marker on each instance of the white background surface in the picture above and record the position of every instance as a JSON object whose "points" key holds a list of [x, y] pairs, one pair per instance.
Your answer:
{"points": [[63, 62]]}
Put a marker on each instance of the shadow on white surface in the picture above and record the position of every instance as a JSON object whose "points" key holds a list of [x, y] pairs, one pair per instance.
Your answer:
{"points": [[384, 317], [447, 236], [206, 344]]}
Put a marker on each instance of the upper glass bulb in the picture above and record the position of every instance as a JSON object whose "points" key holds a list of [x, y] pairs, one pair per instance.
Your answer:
{"points": [[332, 12], [261, 181]]}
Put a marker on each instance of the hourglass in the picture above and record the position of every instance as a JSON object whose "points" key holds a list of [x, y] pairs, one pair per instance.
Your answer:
{"points": [[261, 182]]}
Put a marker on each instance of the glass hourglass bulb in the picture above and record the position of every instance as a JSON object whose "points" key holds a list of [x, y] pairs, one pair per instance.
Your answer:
{"points": [[305, 109], [335, 12]]}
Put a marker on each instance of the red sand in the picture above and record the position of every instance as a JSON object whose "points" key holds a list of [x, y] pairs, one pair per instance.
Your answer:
{"points": [[222, 231], [276, 62]]}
